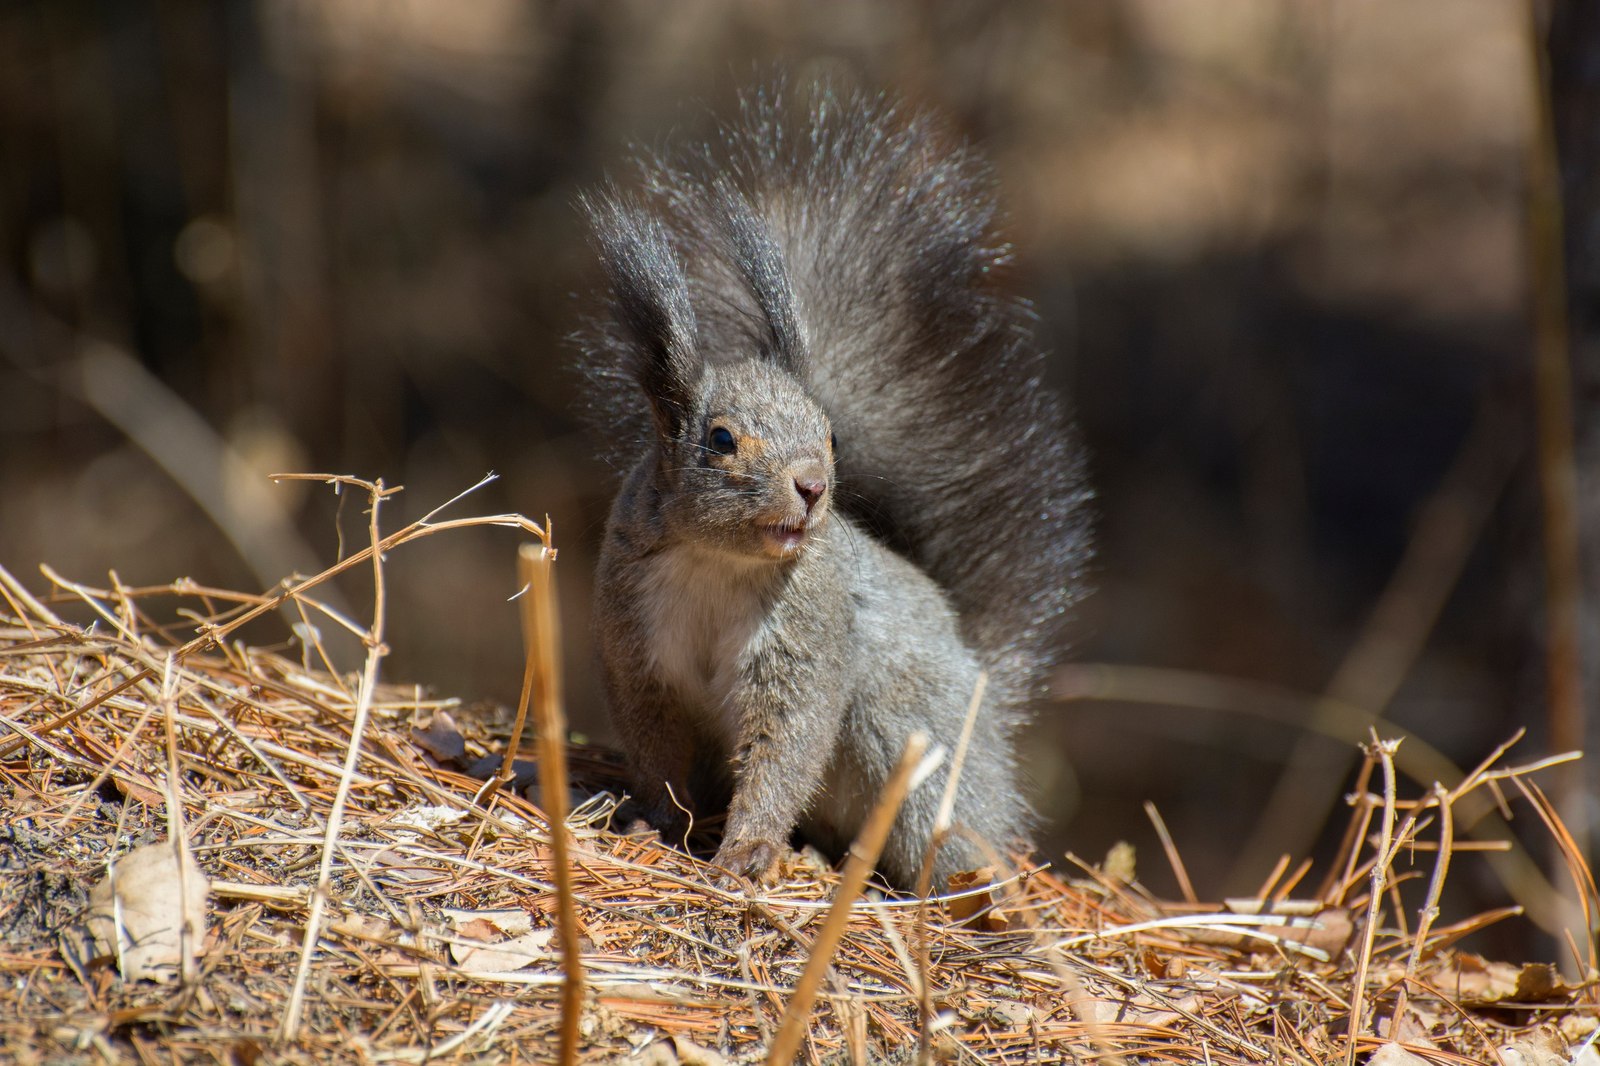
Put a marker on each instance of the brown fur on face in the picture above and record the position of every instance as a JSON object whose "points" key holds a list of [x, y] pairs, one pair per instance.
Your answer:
{"points": [[734, 501]]}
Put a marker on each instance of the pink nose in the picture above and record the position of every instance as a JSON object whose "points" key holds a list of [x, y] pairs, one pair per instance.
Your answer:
{"points": [[810, 490]]}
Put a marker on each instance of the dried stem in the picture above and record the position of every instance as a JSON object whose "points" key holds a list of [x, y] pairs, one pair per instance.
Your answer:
{"points": [[1173, 858], [864, 853], [188, 935], [1430, 908], [212, 636], [941, 829], [540, 635], [376, 650], [1384, 750]]}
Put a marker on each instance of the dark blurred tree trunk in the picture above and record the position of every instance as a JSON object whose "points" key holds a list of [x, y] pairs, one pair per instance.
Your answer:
{"points": [[1573, 52]]}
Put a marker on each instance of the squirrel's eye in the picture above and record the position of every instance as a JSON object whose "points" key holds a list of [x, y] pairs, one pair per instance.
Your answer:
{"points": [[720, 441], [833, 444]]}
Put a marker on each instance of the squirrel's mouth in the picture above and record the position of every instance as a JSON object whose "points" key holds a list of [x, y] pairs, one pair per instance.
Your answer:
{"points": [[783, 538]]}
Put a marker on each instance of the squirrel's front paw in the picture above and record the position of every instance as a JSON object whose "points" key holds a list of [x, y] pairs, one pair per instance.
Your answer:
{"points": [[755, 859]]}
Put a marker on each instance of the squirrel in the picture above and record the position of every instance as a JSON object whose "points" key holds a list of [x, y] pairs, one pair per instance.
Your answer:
{"points": [[851, 496]]}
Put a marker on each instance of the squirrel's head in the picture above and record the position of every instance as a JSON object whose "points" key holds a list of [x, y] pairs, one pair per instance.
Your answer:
{"points": [[744, 454], [751, 469]]}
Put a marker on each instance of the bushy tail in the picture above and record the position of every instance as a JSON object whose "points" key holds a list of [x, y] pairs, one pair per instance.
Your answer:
{"points": [[950, 446]]}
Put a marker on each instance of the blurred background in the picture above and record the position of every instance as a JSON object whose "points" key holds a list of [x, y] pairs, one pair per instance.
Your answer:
{"points": [[1280, 253]]}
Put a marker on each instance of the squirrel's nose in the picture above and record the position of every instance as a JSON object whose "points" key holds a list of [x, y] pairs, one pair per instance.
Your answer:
{"points": [[810, 487]]}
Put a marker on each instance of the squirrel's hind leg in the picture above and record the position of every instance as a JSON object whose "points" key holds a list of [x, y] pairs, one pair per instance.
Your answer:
{"points": [[661, 756]]}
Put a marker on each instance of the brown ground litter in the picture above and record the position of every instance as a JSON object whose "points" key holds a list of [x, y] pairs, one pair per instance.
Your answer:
{"points": [[435, 936]]}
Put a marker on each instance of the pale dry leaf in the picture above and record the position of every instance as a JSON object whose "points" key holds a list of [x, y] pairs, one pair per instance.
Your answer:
{"points": [[139, 791], [394, 867], [659, 1053], [507, 921], [1010, 1014], [692, 1054], [1309, 922], [1528, 1053], [364, 927], [1477, 983], [674, 1051], [1392, 1054], [139, 913], [1137, 1010], [478, 929], [1416, 1027], [429, 818], [1543, 1045], [1578, 1028], [506, 955]]}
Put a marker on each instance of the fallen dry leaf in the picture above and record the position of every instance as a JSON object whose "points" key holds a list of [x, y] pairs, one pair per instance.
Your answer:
{"points": [[1136, 1010], [1323, 928], [505, 921], [150, 913], [1528, 1053], [675, 1051], [140, 792], [692, 1054], [1007, 1013], [1392, 1054], [504, 956], [980, 910], [441, 738], [1543, 1045], [1578, 1028], [478, 945], [1477, 983]]}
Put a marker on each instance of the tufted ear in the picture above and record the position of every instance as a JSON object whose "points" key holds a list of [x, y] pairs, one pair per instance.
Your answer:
{"points": [[650, 304], [762, 266]]}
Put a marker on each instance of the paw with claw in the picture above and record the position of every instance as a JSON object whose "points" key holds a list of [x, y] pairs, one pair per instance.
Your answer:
{"points": [[755, 859]]}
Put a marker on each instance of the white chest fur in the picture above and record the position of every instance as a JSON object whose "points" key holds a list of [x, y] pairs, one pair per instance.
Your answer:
{"points": [[706, 616]]}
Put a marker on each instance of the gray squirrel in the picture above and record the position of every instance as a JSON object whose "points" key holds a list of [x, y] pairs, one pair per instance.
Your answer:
{"points": [[851, 492]]}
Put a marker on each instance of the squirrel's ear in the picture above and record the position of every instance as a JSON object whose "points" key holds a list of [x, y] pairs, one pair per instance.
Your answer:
{"points": [[762, 265], [650, 303]]}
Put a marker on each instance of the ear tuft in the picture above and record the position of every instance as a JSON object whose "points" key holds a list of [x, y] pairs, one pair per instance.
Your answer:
{"points": [[761, 263], [649, 302]]}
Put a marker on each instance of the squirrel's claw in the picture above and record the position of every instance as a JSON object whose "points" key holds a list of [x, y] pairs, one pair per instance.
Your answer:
{"points": [[756, 860]]}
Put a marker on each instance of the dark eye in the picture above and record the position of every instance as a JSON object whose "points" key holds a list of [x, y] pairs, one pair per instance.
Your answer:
{"points": [[833, 444], [720, 441]]}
